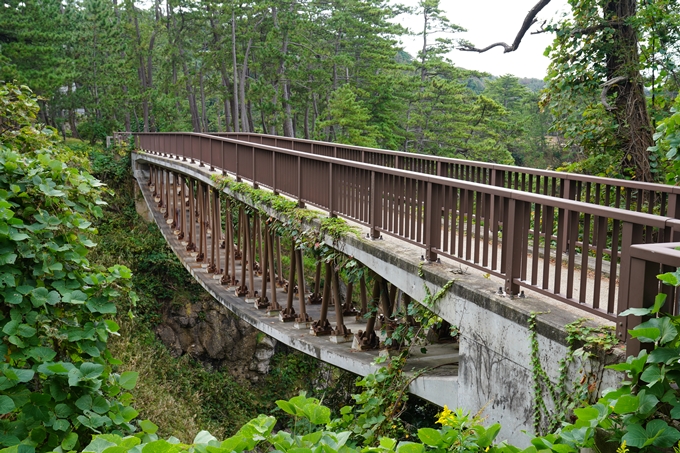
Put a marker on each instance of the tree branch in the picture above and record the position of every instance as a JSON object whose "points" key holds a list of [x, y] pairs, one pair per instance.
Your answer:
{"points": [[529, 20], [605, 88]]}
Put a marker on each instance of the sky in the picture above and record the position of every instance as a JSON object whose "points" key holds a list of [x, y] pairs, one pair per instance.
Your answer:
{"points": [[487, 22]]}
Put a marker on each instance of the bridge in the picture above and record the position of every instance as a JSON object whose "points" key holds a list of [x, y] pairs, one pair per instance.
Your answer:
{"points": [[497, 242]]}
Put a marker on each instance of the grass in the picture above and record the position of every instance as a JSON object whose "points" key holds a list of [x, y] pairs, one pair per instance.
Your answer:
{"points": [[179, 394]]}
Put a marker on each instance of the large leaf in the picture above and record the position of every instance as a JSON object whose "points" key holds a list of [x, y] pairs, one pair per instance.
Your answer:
{"points": [[645, 334], [430, 436], [6, 404], [626, 404], [128, 380], [410, 447]]}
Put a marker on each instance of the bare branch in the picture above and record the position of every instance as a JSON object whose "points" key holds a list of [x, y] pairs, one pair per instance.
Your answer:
{"points": [[605, 88], [529, 20]]}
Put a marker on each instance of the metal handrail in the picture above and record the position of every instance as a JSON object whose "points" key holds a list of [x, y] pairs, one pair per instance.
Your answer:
{"points": [[625, 194], [508, 233]]}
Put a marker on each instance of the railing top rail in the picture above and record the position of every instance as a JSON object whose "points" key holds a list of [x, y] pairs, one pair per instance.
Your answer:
{"points": [[560, 203], [531, 171], [666, 253]]}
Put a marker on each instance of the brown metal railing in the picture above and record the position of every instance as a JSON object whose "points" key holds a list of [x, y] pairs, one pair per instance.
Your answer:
{"points": [[629, 195], [516, 235], [643, 285]]}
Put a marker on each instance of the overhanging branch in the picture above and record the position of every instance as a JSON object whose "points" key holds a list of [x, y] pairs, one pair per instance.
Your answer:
{"points": [[605, 89], [529, 20]]}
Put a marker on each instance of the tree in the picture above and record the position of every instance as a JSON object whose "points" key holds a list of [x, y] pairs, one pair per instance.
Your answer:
{"points": [[597, 73], [349, 119]]}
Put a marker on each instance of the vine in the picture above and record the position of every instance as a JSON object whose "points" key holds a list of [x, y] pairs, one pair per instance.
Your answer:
{"points": [[291, 214], [595, 342]]}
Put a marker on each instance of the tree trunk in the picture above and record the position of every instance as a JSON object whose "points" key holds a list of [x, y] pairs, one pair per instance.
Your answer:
{"points": [[234, 63], [630, 109]]}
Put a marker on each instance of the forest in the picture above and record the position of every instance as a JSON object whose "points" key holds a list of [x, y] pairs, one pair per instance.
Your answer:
{"points": [[83, 281], [333, 70]]}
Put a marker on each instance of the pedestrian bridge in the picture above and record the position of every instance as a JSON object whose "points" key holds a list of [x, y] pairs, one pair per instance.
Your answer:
{"points": [[497, 243]]}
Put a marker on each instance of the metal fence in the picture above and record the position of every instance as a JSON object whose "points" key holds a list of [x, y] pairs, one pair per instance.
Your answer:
{"points": [[629, 195], [572, 250]]}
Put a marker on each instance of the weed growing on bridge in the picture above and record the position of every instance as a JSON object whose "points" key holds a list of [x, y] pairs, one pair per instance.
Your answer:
{"points": [[589, 343], [291, 216]]}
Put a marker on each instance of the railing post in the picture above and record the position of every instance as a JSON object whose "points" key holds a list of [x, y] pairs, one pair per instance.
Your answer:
{"points": [[301, 203], [631, 290], [238, 162], [375, 208], [641, 293], [274, 173], [331, 200], [568, 193], [252, 154], [513, 237], [224, 167], [433, 220], [674, 212]]}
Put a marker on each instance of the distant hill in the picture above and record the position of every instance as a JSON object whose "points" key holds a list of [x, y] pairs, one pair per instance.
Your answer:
{"points": [[534, 85]]}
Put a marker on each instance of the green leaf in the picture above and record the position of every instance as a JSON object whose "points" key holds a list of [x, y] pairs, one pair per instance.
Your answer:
{"points": [[626, 404], [668, 438], [645, 335], [387, 443], [6, 404], [26, 331], [98, 445], [410, 447], [648, 402], [12, 296], [101, 305], [317, 414], [69, 441], [652, 375], [100, 405], [41, 354], [659, 301], [203, 437], [11, 327], [61, 425], [91, 370], [148, 427], [160, 446], [663, 355], [16, 374], [128, 380], [84, 403], [430, 436], [636, 312], [62, 410], [636, 436]]}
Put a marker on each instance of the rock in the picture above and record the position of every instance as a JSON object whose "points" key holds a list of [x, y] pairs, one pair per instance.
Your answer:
{"points": [[217, 338]]}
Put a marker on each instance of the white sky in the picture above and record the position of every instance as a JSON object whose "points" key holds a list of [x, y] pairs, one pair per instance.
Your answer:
{"points": [[487, 22]]}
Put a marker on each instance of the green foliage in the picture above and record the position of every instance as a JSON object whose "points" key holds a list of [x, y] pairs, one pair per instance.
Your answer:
{"points": [[583, 342], [376, 409], [667, 139], [57, 381], [348, 119]]}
